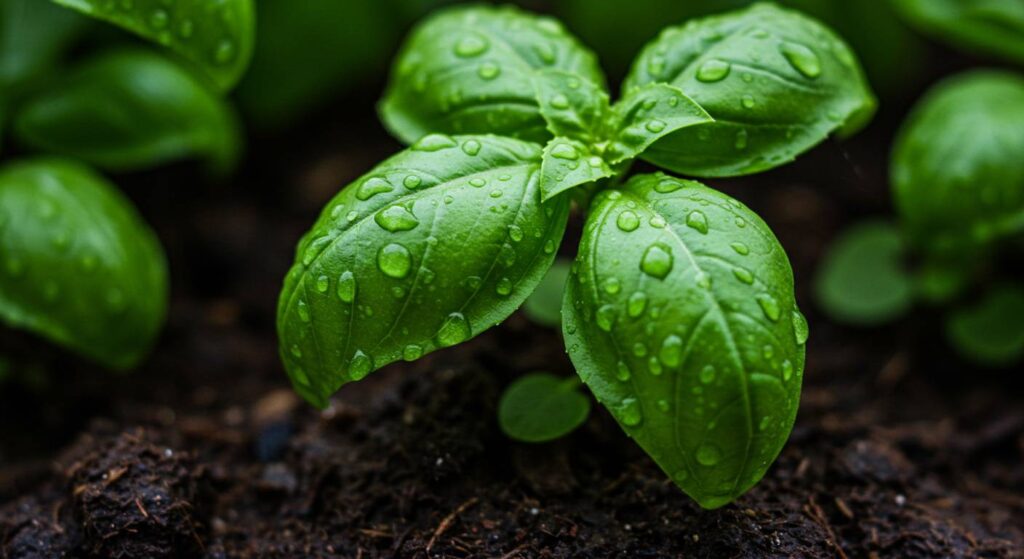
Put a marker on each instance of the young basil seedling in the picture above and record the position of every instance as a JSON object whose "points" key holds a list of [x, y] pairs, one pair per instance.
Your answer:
{"points": [[215, 36], [679, 311], [78, 264], [541, 407]]}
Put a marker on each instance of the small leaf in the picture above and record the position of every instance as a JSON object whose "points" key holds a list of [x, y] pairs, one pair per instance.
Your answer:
{"points": [[568, 163], [958, 163], [430, 248], [77, 264], [775, 81], [680, 317], [216, 36], [34, 34], [130, 109], [470, 70], [573, 107], [862, 280], [992, 331], [544, 306], [541, 407], [986, 26], [647, 114]]}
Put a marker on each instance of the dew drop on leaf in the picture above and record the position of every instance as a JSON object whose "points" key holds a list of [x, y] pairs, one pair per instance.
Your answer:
{"points": [[396, 218], [657, 261], [800, 329], [713, 70], [372, 187], [346, 287], [471, 147], [708, 455], [671, 353], [454, 330], [802, 58], [394, 260], [360, 366], [707, 374], [770, 306], [627, 221], [622, 371], [565, 151], [605, 317], [636, 305], [470, 46], [630, 413], [697, 221]]}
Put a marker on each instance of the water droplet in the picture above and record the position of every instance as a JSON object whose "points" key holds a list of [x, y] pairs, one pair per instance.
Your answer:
{"points": [[296, 351], [748, 101], [713, 70], [787, 370], [627, 221], [471, 147], [515, 233], [434, 142], [800, 329], [360, 366], [671, 353], [489, 70], [697, 221], [346, 287], [412, 181], [740, 249], [655, 126], [470, 46], [666, 186], [396, 218], [763, 424], [636, 305], [477, 182], [770, 306], [657, 261], [412, 352], [372, 187], [301, 308], [605, 317], [454, 330], [630, 413], [656, 66], [654, 366], [560, 102], [622, 371], [743, 275], [225, 52], [741, 139], [504, 287], [708, 455], [158, 19], [801, 58], [394, 260], [549, 246], [322, 284], [565, 151], [707, 374], [612, 285], [657, 222]]}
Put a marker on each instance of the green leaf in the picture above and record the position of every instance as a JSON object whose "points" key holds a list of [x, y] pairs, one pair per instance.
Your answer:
{"points": [[541, 407], [776, 82], [986, 26], [862, 279], [470, 69], [544, 306], [130, 109], [572, 107], [992, 331], [77, 263], [648, 113], [33, 35], [569, 163], [215, 36], [680, 317], [958, 162], [430, 248]]}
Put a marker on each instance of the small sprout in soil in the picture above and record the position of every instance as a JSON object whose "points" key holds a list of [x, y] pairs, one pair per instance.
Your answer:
{"points": [[541, 407], [544, 306], [678, 312]]}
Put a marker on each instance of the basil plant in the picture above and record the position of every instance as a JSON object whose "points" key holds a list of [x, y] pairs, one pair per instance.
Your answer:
{"points": [[679, 311]]}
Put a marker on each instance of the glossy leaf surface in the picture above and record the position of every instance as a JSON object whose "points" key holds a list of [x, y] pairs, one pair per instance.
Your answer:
{"points": [[33, 35], [130, 109], [430, 248], [77, 264], [541, 407], [775, 81], [216, 36], [958, 162], [680, 317], [470, 70], [569, 163]]}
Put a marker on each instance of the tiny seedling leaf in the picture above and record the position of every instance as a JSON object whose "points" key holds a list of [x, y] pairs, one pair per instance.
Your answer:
{"points": [[544, 306], [990, 332], [541, 407]]}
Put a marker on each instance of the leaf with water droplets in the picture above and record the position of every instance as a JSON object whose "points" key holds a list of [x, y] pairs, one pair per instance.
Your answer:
{"points": [[958, 164], [776, 82], [77, 263], [541, 407], [729, 352], [985, 26], [572, 106], [414, 266], [569, 163], [130, 109], [215, 36], [648, 113], [469, 69]]}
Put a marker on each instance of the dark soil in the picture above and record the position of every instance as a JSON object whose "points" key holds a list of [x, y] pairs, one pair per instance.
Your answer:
{"points": [[900, 449]]}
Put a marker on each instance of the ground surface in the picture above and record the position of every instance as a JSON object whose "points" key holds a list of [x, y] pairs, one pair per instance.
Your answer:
{"points": [[900, 449]]}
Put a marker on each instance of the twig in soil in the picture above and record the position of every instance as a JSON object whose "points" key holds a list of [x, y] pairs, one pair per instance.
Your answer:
{"points": [[817, 515], [142, 509], [514, 552], [448, 520]]}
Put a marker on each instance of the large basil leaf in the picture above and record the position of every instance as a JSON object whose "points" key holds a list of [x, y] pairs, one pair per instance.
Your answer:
{"points": [[470, 69], [958, 162], [430, 248], [77, 264], [990, 26], [216, 36], [776, 82], [680, 316], [127, 110], [32, 35]]}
